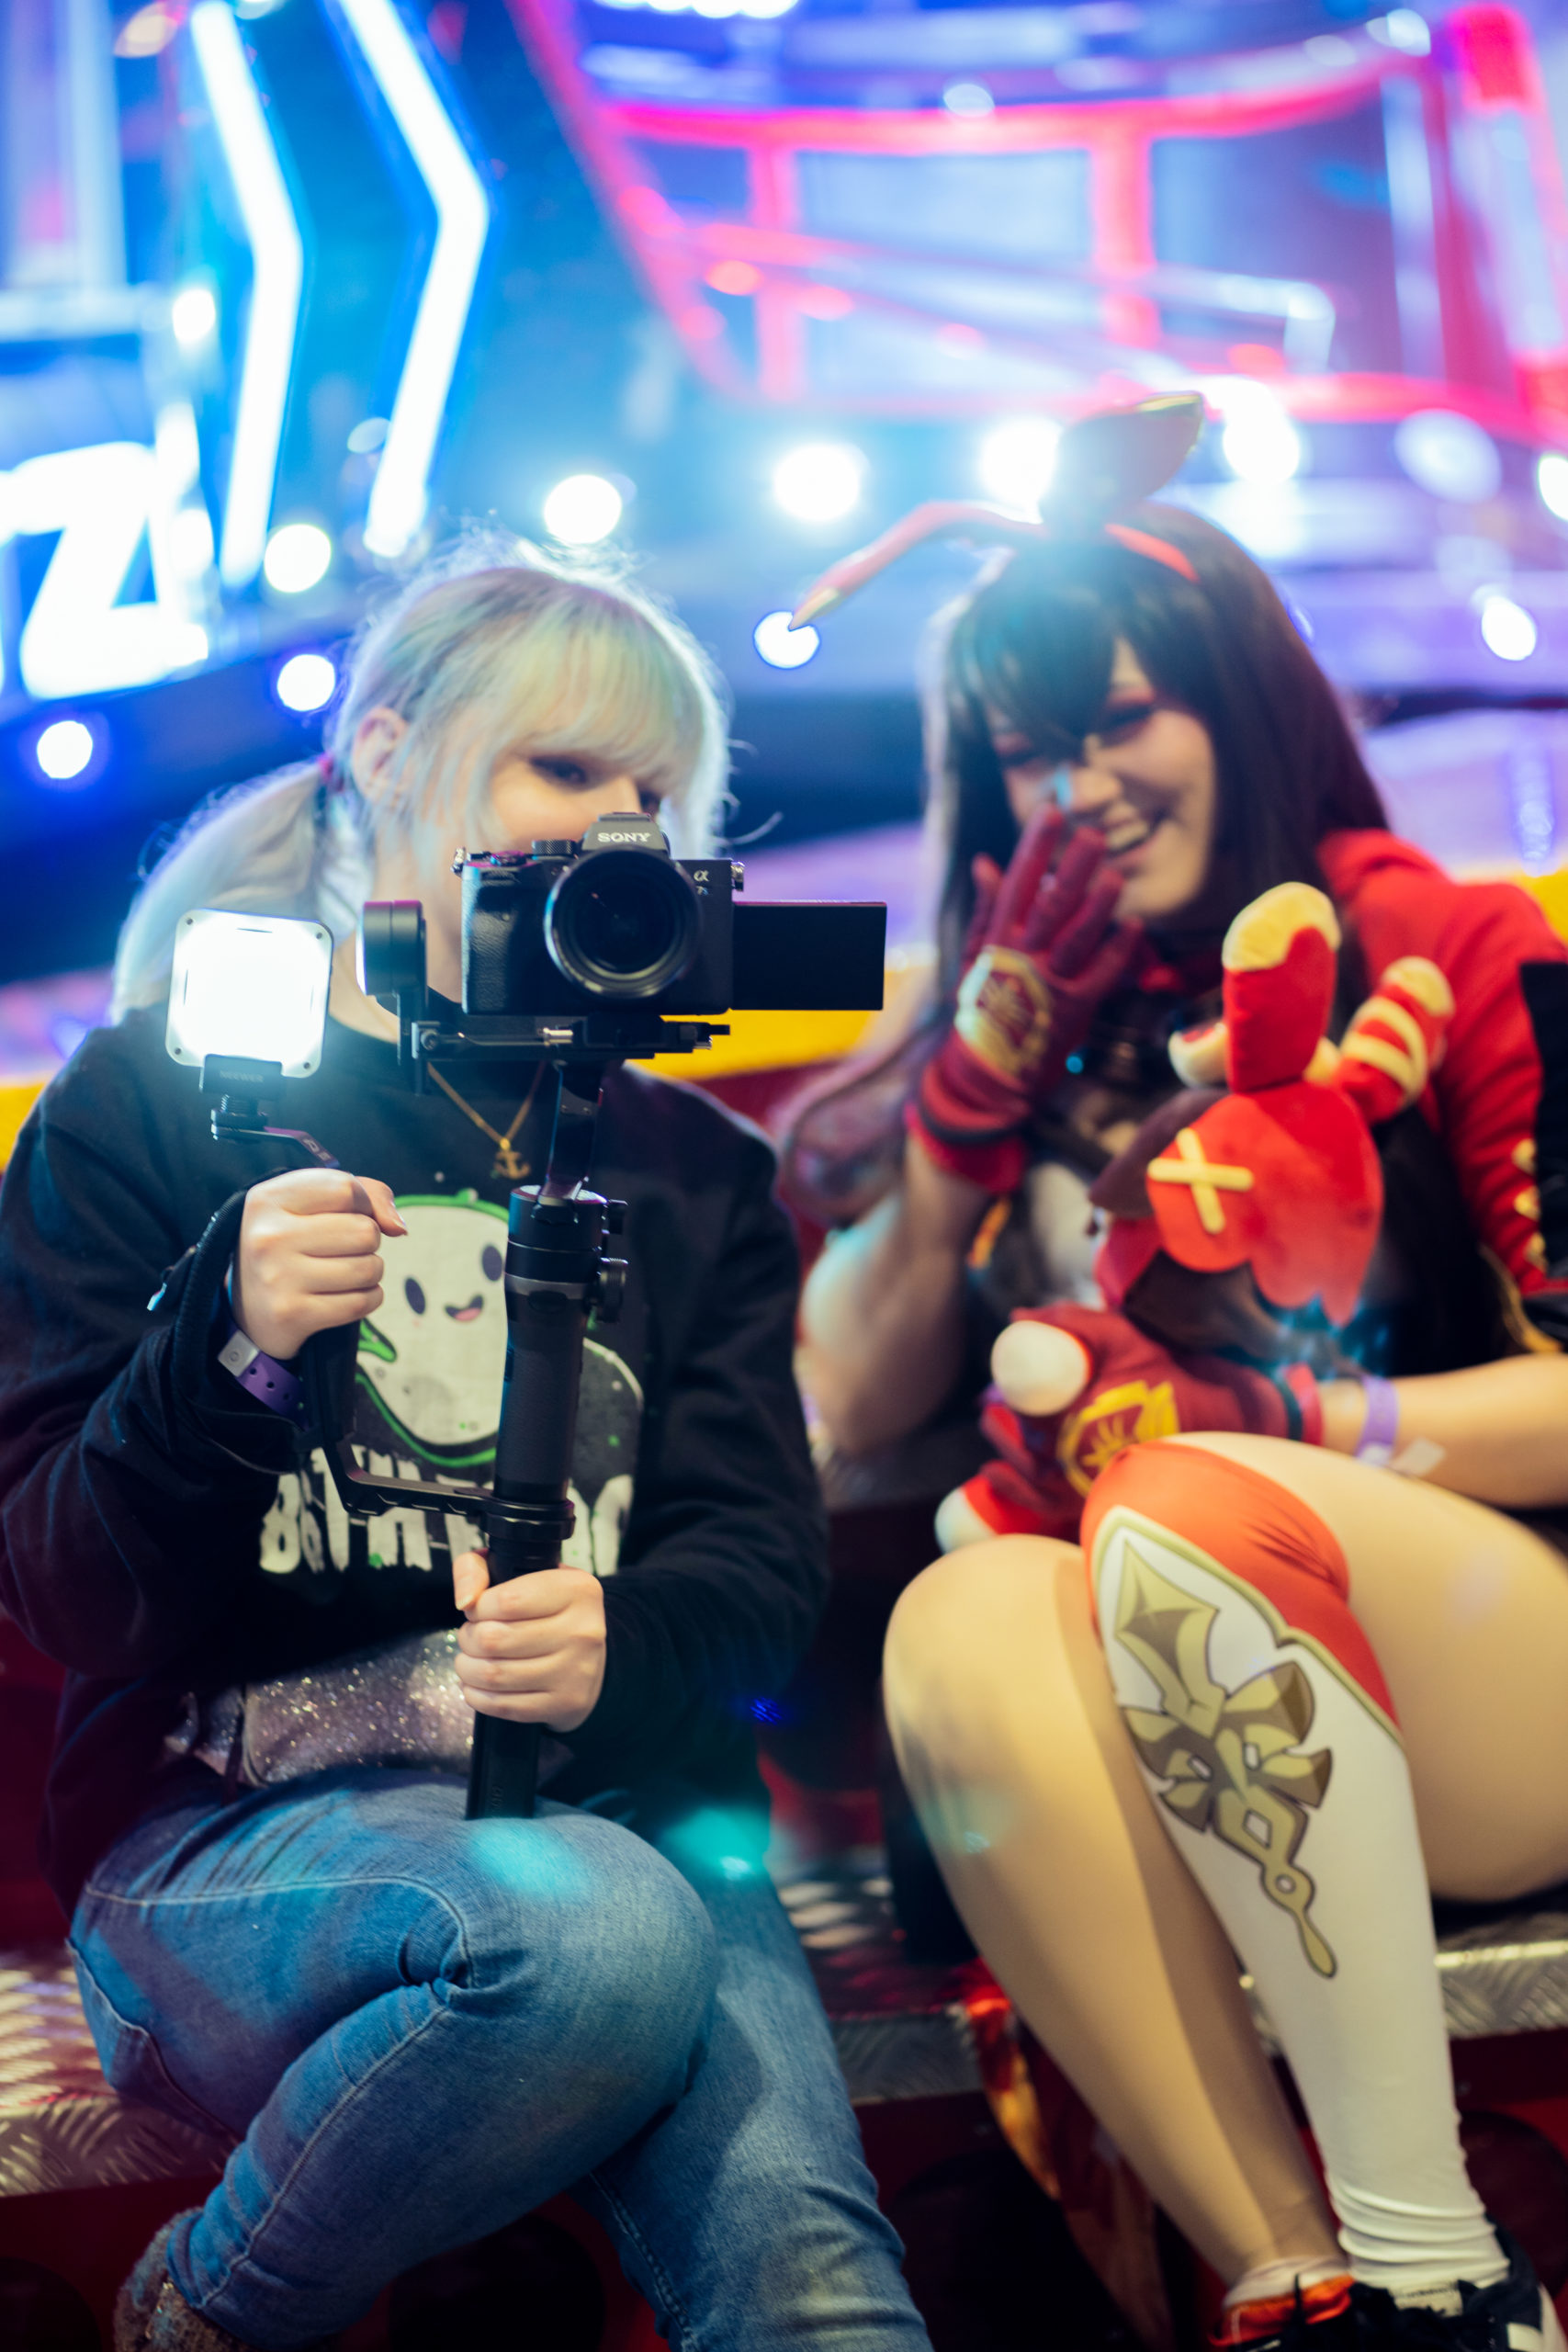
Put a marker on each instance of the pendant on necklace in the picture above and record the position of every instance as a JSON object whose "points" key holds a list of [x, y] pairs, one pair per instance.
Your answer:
{"points": [[507, 1163]]}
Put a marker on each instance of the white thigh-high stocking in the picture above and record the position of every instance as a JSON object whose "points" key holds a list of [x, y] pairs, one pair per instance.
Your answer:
{"points": [[1265, 1732]]}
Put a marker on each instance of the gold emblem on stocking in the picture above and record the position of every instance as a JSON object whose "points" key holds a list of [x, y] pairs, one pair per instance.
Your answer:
{"points": [[1004, 1011], [1231, 1759]]}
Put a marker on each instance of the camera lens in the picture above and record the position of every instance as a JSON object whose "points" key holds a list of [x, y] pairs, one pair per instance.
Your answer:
{"points": [[622, 923]]}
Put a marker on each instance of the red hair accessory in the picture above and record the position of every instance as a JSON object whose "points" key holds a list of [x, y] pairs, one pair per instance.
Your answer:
{"points": [[1105, 463]]}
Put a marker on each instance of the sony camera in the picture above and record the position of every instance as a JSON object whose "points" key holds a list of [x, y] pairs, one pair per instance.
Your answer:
{"points": [[613, 922]]}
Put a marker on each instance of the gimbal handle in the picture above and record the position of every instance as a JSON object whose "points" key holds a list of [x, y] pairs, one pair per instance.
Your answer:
{"points": [[557, 1275]]}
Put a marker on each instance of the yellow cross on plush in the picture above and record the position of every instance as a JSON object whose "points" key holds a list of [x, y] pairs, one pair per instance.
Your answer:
{"points": [[1208, 1177]]}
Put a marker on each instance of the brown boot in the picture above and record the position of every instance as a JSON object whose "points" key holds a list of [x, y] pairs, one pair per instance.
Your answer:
{"points": [[152, 2315]]}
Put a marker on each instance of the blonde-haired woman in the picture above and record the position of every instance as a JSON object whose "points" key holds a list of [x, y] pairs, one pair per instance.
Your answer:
{"points": [[417, 2028]]}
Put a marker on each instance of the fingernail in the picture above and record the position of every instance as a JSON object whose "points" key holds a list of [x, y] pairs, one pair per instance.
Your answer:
{"points": [[401, 1226]]}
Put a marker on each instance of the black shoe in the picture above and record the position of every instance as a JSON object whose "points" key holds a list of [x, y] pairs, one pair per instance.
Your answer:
{"points": [[1312, 2319], [1513, 2314]]}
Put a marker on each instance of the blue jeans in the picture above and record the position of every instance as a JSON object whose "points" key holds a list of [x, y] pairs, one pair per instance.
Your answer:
{"points": [[424, 2027]]}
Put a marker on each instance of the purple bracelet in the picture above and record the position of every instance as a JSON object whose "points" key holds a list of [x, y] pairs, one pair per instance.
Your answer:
{"points": [[262, 1376], [1380, 1428]]}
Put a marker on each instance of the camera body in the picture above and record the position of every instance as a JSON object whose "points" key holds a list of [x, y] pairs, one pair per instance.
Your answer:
{"points": [[578, 950], [611, 918]]}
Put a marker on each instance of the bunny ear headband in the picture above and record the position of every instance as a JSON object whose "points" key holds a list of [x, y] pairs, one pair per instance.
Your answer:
{"points": [[1105, 463]]}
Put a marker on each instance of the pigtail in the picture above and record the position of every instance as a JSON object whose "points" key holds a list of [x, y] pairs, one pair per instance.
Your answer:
{"points": [[289, 845]]}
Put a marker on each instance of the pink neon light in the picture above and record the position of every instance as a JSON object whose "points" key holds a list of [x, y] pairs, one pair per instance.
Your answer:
{"points": [[1485, 59], [1497, 59], [1021, 129]]}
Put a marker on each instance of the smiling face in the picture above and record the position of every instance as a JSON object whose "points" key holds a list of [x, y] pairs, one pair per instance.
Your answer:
{"points": [[1145, 780], [434, 1351]]}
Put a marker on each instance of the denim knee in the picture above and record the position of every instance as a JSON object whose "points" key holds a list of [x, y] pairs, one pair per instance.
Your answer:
{"points": [[580, 1921]]}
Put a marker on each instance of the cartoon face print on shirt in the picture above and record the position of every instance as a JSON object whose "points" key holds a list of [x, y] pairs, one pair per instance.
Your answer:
{"points": [[430, 1370], [434, 1352]]}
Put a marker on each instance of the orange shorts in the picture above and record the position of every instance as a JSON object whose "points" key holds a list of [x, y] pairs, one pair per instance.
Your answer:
{"points": [[1251, 1526]]}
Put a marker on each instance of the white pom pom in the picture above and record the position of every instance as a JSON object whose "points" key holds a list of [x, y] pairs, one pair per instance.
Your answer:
{"points": [[1039, 1367], [1198, 1055], [958, 1523]]}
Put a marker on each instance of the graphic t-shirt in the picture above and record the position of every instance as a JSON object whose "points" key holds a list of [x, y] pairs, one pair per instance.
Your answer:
{"points": [[166, 1537], [427, 1398]]}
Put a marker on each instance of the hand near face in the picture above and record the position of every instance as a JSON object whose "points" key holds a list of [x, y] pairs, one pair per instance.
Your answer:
{"points": [[532, 1649]]}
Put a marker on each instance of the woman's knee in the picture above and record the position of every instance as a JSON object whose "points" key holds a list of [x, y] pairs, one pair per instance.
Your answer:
{"points": [[958, 1614], [574, 1912]]}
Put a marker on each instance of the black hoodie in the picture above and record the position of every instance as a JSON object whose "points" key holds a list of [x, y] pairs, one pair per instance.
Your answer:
{"points": [[164, 1534]]}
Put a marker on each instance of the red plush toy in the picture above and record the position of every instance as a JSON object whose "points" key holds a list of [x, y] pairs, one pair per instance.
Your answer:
{"points": [[1226, 1206]]}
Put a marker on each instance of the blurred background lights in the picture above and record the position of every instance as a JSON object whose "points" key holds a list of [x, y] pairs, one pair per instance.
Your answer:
{"points": [[193, 314], [305, 682], [1018, 460], [63, 751], [367, 435], [149, 30], [583, 510], [1551, 480], [781, 646], [1404, 28], [761, 8], [296, 556], [819, 481], [968, 98], [1507, 630], [190, 541], [1259, 443], [1449, 454]]}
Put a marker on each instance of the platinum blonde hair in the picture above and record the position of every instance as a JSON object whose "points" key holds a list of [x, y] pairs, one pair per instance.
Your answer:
{"points": [[494, 647]]}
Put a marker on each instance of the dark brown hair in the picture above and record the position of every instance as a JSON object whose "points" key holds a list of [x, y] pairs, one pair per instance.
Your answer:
{"points": [[1035, 642]]}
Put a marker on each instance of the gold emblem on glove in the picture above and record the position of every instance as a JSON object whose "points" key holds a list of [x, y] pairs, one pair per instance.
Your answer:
{"points": [[1231, 1759], [1003, 1012], [1109, 1423]]}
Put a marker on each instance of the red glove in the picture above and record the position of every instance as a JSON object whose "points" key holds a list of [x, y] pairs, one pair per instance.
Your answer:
{"points": [[1134, 1389], [1043, 950]]}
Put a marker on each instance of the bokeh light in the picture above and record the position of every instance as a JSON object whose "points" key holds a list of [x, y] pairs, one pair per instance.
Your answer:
{"points": [[1018, 460], [1506, 629], [1404, 28], [296, 556], [583, 510], [64, 751], [781, 646], [971, 99], [1551, 480], [1259, 443], [305, 682], [193, 314], [1449, 456], [819, 481]]}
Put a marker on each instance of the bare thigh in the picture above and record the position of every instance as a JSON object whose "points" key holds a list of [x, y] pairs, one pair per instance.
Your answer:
{"points": [[1468, 1612]]}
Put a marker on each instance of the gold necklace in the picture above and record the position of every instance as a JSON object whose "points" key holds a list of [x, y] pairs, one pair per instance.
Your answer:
{"points": [[507, 1163]]}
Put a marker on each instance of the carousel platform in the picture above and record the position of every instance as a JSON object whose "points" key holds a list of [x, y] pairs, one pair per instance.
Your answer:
{"points": [[904, 2031]]}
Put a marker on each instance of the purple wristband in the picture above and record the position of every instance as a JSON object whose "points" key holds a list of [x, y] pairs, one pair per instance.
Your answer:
{"points": [[1380, 1428], [262, 1376]]}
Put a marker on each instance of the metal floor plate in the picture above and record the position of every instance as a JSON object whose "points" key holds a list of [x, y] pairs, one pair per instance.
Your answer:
{"points": [[901, 2032]]}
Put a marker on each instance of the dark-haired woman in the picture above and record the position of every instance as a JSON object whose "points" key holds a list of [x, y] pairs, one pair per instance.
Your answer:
{"points": [[1294, 1692]]}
